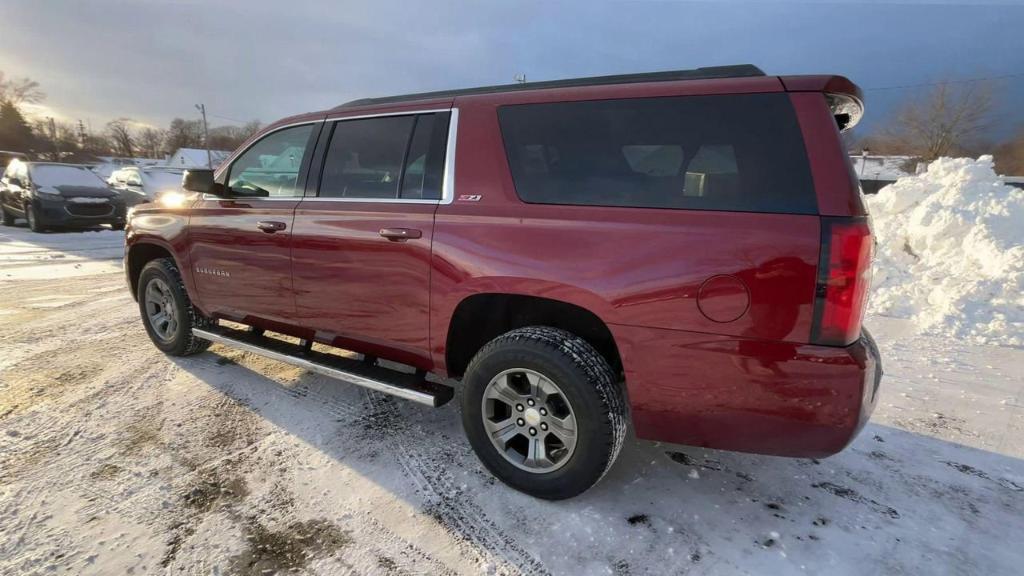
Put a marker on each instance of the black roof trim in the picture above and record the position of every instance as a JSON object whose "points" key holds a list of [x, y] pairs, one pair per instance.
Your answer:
{"points": [[737, 71]]}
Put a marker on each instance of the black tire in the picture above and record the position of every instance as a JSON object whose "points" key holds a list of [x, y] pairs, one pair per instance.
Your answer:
{"points": [[183, 342], [8, 217], [587, 382], [34, 223]]}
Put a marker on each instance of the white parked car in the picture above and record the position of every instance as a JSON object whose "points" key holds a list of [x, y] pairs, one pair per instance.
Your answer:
{"points": [[145, 184]]}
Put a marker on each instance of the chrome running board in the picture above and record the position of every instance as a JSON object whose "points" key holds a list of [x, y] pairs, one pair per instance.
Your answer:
{"points": [[368, 375]]}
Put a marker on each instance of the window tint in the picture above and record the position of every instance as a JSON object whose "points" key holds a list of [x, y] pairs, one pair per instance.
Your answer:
{"points": [[271, 167], [365, 157], [731, 152]]}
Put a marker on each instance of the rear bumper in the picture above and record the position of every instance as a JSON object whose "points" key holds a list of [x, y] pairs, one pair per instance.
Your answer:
{"points": [[748, 395]]}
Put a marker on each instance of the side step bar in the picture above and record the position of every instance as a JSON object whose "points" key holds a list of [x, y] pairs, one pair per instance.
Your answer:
{"points": [[409, 386]]}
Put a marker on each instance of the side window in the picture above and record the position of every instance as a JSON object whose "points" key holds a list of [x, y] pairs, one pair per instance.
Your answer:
{"points": [[271, 166], [424, 164], [365, 157], [389, 157], [738, 152]]}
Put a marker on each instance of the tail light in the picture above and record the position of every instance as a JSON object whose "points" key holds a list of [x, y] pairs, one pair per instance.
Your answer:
{"points": [[844, 276]]}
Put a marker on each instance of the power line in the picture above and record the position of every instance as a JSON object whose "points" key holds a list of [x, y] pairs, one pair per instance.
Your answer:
{"points": [[226, 118], [964, 81]]}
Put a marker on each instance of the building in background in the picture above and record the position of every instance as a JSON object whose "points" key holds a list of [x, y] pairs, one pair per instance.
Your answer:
{"points": [[196, 158], [877, 171]]}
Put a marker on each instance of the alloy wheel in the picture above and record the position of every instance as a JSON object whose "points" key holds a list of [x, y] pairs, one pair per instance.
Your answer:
{"points": [[161, 310], [529, 420]]}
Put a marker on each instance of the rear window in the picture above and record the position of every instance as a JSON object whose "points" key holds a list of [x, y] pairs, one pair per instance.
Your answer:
{"points": [[741, 152]]}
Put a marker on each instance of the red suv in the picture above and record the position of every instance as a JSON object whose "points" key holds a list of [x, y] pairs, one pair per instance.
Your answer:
{"points": [[687, 251]]}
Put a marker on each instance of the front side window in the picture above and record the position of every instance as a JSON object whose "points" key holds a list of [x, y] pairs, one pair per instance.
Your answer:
{"points": [[271, 167], [389, 157], [741, 152]]}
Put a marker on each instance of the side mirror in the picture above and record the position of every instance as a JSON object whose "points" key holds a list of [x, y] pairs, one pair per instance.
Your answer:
{"points": [[201, 180]]}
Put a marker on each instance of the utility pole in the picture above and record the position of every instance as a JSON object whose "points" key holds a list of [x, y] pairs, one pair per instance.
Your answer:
{"points": [[206, 136], [53, 138], [81, 134]]}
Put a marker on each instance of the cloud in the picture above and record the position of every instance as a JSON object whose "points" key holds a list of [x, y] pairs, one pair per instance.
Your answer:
{"points": [[152, 61]]}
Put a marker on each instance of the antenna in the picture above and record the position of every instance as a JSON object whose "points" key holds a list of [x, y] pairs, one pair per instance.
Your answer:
{"points": [[521, 78]]}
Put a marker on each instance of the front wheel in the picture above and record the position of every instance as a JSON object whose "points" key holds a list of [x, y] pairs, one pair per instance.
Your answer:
{"points": [[167, 311], [8, 217], [543, 411], [34, 223]]}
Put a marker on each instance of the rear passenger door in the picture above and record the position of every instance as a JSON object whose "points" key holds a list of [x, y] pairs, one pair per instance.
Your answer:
{"points": [[361, 252]]}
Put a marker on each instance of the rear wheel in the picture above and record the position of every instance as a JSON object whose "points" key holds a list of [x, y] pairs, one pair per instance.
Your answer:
{"points": [[8, 217], [543, 411], [34, 223], [167, 312]]}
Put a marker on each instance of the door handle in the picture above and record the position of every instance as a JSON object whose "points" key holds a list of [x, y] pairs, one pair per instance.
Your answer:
{"points": [[271, 227], [400, 234]]}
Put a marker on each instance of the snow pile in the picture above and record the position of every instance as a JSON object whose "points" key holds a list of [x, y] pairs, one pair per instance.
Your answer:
{"points": [[950, 252]]}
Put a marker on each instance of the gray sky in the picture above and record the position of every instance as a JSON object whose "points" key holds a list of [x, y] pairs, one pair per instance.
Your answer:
{"points": [[262, 59]]}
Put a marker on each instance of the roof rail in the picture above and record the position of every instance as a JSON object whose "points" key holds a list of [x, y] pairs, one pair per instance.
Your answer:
{"points": [[737, 71]]}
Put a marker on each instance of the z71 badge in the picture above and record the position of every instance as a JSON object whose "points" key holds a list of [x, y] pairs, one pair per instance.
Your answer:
{"points": [[469, 197]]}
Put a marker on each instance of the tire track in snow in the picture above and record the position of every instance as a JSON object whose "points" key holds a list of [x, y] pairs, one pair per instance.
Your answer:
{"points": [[451, 506]]}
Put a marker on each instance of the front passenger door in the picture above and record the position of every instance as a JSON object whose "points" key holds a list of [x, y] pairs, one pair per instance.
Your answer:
{"points": [[241, 245]]}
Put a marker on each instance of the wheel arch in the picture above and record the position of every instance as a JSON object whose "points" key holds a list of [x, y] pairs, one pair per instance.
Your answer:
{"points": [[142, 253], [481, 317]]}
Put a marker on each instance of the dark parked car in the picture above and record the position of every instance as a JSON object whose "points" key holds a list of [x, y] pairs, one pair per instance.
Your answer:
{"points": [[685, 251], [49, 195]]}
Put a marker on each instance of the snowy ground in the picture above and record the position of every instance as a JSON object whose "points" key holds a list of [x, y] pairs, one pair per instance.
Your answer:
{"points": [[115, 459]]}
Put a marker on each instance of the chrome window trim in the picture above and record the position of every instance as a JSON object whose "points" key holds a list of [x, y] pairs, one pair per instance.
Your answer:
{"points": [[372, 200], [447, 177], [253, 198], [448, 186], [383, 114]]}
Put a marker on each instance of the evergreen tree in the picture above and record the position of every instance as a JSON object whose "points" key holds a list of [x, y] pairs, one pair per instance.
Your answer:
{"points": [[15, 133]]}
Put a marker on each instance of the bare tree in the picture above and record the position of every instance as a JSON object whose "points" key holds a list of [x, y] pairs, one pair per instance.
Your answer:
{"points": [[151, 141], [1010, 156], [20, 91], [121, 137], [184, 134], [951, 119]]}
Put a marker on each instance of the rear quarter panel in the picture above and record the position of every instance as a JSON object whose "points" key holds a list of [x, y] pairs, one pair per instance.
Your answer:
{"points": [[629, 266]]}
